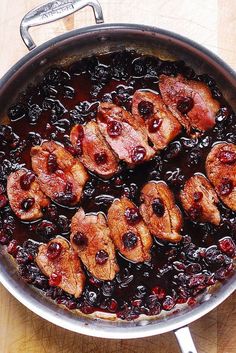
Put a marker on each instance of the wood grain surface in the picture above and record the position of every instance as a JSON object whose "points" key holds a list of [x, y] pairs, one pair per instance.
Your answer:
{"points": [[209, 22]]}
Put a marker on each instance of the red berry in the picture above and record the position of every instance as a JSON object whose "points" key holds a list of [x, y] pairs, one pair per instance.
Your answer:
{"points": [[226, 187], [132, 215], [54, 250], [227, 157], [114, 128], [227, 246], [129, 240], [27, 204], [55, 279], [26, 180], [100, 158], [185, 104], [154, 125], [80, 239], [145, 109], [138, 154], [159, 292]]}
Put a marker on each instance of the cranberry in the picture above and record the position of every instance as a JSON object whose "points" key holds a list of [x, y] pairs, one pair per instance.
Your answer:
{"points": [[46, 229], [185, 104], [145, 108], [158, 207], [80, 239], [154, 125], [227, 157], [196, 280], [227, 246], [55, 279], [132, 215], [159, 292], [114, 128], [100, 158], [195, 211], [101, 257], [226, 187], [13, 248], [27, 204], [138, 154], [54, 250], [26, 180], [130, 240], [51, 212], [168, 303], [197, 196], [63, 224], [113, 305], [52, 163], [3, 201]]}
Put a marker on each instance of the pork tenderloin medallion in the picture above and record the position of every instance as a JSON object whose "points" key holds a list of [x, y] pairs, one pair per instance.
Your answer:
{"points": [[93, 150], [90, 238], [25, 196], [191, 102], [159, 123], [124, 135], [60, 175], [159, 211], [128, 231], [221, 171], [61, 264], [200, 200]]}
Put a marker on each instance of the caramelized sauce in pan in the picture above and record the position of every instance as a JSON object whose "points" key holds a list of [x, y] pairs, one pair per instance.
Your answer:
{"points": [[48, 110]]}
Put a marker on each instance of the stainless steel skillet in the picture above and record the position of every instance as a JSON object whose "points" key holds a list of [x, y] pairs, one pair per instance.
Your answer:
{"points": [[62, 50]]}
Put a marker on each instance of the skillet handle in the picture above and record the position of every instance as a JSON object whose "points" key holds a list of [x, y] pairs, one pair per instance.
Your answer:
{"points": [[53, 11], [184, 338]]}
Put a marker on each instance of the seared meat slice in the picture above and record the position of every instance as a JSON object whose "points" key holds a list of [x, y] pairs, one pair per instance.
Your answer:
{"points": [[221, 171], [61, 264], [199, 200], [161, 126], [25, 196], [93, 150], [90, 237], [160, 212], [123, 134], [128, 231], [190, 101], [61, 176]]}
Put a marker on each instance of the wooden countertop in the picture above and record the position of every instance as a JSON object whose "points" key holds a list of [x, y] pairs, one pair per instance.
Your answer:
{"points": [[211, 23]]}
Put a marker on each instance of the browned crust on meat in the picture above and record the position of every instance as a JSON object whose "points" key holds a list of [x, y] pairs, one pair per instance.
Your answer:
{"points": [[95, 228], [168, 226], [169, 125], [70, 170], [17, 195], [208, 198], [67, 264], [219, 172], [132, 135], [202, 115], [93, 142], [119, 226]]}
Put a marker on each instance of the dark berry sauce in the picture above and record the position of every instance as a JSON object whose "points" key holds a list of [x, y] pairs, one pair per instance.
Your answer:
{"points": [[68, 96]]}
